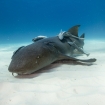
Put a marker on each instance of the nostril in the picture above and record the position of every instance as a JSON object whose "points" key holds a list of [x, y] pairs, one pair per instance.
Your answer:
{"points": [[10, 68]]}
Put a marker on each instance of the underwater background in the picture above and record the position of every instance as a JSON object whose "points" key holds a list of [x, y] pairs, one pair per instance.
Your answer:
{"points": [[22, 20]]}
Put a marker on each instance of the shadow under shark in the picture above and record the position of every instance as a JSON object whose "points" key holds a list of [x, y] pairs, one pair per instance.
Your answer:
{"points": [[44, 51]]}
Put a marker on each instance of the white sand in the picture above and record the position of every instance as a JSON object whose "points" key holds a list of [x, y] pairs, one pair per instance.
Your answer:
{"points": [[58, 84]]}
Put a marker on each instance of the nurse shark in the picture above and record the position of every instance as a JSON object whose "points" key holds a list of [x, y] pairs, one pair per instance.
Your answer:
{"points": [[44, 51]]}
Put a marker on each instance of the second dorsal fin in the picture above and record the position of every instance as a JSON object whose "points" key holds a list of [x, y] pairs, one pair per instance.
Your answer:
{"points": [[83, 35]]}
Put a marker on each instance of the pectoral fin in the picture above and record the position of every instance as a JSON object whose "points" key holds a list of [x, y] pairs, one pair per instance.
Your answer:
{"points": [[61, 56], [51, 46], [17, 51], [78, 48]]}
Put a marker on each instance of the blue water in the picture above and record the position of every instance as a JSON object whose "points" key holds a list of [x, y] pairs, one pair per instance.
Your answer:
{"points": [[22, 20]]}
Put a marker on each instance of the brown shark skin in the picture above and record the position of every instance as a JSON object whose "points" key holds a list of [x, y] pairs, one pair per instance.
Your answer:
{"points": [[38, 55], [35, 56]]}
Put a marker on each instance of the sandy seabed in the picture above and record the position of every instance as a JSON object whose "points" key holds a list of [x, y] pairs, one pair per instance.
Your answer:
{"points": [[57, 84]]}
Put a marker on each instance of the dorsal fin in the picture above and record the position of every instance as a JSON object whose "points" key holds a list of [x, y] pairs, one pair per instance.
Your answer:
{"points": [[74, 30], [83, 35]]}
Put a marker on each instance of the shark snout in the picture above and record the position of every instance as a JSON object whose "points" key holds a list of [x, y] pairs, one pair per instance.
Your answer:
{"points": [[16, 67], [13, 68], [17, 70], [20, 67]]}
